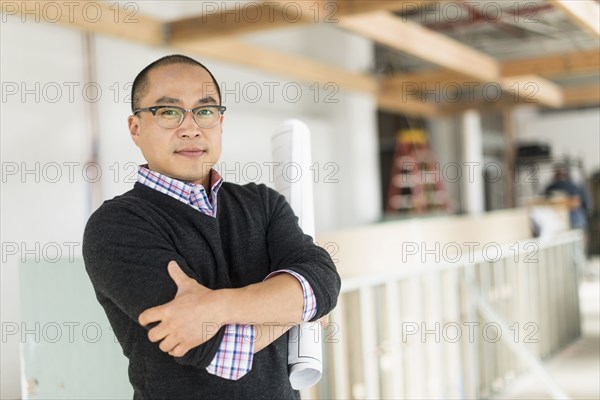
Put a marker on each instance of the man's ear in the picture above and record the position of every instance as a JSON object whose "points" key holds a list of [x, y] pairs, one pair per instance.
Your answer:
{"points": [[134, 128]]}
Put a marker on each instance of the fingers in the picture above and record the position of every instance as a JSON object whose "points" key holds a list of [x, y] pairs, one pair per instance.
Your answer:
{"points": [[172, 346], [177, 274], [178, 351], [158, 333], [150, 315], [168, 344], [324, 321]]}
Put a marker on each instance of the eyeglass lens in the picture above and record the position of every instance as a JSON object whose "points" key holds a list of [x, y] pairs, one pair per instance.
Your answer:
{"points": [[171, 117]]}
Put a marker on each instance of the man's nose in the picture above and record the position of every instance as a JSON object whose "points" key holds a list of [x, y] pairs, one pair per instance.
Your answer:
{"points": [[188, 126]]}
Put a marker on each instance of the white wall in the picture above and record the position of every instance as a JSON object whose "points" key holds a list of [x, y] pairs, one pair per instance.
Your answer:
{"points": [[446, 145], [570, 133], [41, 132], [38, 134]]}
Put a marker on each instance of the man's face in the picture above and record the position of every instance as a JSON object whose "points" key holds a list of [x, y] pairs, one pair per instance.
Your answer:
{"points": [[561, 175], [187, 152]]}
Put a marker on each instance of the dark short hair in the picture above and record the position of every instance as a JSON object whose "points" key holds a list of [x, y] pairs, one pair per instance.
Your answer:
{"points": [[560, 167], [141, 84]]}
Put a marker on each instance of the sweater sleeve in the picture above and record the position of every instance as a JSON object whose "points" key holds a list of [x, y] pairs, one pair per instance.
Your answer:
{"points": [[126, 258], [290, 249]]}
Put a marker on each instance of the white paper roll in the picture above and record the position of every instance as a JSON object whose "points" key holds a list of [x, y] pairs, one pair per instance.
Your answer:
{"points": [[291, 152], [290, 148], [305, 355]]}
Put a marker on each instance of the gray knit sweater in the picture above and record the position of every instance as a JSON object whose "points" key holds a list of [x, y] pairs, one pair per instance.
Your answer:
{"points": [[127, 245]]}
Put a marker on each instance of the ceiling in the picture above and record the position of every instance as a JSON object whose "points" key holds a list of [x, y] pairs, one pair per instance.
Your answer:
{"points": [[427, 53], [504, 31]]}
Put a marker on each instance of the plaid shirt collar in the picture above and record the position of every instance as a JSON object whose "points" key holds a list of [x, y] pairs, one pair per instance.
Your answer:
{"points": [[189, 193]]}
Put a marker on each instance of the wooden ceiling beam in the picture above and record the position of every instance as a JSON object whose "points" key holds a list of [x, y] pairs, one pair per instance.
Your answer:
{"points": [[407, 105], [582, 96], [427, 81], [282, 64], [228, 20], [533, 89], [555, 65], [238, 19], [584, 13], [353, 7], [524, 88], [411, 38], [93, 16], [576, 96], [513, 71], [505, 103]]}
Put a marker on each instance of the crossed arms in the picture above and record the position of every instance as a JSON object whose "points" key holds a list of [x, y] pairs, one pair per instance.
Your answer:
{"points": [[130, 258], [276, 304]]}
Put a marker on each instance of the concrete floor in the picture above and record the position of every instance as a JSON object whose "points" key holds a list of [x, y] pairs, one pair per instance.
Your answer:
{"points": [[576, 369]]}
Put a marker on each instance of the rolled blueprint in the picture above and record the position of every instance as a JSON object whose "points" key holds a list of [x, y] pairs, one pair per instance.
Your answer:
{"points": [[290, 145]]}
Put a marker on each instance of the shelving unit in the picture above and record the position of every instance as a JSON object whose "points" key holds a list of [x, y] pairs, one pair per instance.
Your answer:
{"points": [[416, 184]]}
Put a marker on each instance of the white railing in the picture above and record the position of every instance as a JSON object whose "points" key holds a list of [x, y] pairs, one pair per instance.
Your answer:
{"points": [[453, 330]]}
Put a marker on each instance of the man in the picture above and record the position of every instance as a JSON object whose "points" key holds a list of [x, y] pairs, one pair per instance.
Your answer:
{"points": [[576, 198], [200, 278]]}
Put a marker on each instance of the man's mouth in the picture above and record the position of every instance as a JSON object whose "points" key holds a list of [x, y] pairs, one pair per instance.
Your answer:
{"points": [[190, 152]]}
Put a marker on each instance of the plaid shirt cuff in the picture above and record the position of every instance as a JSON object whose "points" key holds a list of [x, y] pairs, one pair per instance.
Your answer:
{"points": [[310, 301], [235, 354]]}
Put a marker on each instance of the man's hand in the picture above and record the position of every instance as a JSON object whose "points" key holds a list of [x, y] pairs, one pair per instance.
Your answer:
{"points": [[188, 320], [324, 321]]}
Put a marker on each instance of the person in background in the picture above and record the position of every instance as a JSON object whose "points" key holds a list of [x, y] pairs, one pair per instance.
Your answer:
{"points": [[576, 197], [576, 200]]}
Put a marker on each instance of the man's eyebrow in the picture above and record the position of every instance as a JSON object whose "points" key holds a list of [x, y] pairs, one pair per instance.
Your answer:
{"points": [[168, 100], [171, 100], [207, 100]]}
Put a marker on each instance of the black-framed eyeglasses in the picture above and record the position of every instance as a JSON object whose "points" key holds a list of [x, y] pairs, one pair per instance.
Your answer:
{"points": [[171, 117]]}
